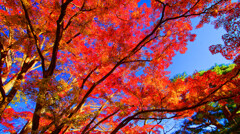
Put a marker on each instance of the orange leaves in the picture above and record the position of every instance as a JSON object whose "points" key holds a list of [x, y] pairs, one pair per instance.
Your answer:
{"points": [[10, 115], [228, 87], [3, 12], [168, 33], [135, 14], [112, 55], [215, 13], [183, 50], [104, 58]]}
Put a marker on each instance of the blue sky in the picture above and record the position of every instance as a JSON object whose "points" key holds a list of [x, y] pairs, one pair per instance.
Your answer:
{"points": [[198, 57]]}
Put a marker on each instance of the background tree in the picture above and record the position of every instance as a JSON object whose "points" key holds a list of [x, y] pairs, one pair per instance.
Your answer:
{"points": [[103, 63], [231, 48], [216, 117], [228, 112]]}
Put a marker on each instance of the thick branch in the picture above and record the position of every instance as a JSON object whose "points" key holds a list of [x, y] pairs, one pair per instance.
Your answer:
{"points": [[2, 56], [47, 127], [15, 84], [26, 128], [49, 72], [85, 79], [143, 42], [58, 37], [200, 103], [34, 35]]}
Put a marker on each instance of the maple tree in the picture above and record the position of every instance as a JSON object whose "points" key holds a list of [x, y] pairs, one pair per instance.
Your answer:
{"points": [[99, 66]]}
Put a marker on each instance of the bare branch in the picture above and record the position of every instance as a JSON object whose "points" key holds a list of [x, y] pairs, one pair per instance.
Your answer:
{"points": [[194, 14], [97, 114], [160, 2]]}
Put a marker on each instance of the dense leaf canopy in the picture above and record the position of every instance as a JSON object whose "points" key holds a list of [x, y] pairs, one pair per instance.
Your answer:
{"points": [[99, 66], [216, 117]]}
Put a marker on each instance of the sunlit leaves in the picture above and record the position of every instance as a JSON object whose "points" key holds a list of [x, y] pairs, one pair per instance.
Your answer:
{"points": [[111, 59]]}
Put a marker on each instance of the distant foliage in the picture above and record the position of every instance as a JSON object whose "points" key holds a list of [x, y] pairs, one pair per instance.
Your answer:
{"points": [[215, 117]]}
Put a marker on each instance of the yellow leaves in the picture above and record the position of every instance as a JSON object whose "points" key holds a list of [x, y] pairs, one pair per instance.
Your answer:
{"points": [[135, 14], [104, 57], [215, 13], [168, 33], [228, 86], [26, 3], [19, 97]]}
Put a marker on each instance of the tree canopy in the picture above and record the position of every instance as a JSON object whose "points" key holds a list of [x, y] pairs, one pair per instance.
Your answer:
{"points": [[99, 66], [215, 117]]}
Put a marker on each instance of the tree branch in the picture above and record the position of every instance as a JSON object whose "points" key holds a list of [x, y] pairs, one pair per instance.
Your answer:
{"points": [[131, 61], [77, 34], [58, 37], [102, 121], [160, 118], [34, 35], [2, 56], [76, 14], [219, 87], [49, 72], [200, 103], [132, 52], [89, 124]]}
